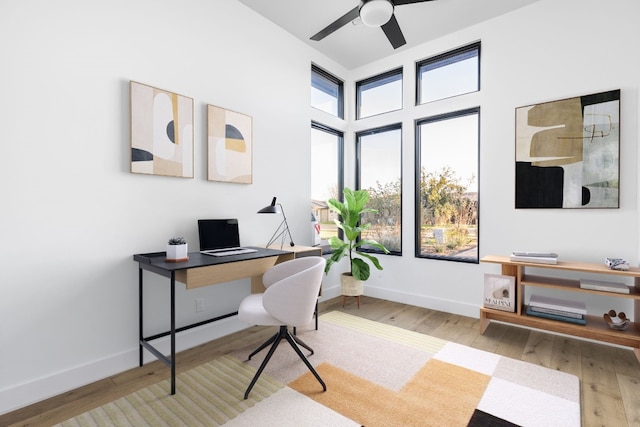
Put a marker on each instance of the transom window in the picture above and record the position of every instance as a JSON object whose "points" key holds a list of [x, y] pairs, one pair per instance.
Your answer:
{"points": [[327, 92], [452, 73], [379, 94]]}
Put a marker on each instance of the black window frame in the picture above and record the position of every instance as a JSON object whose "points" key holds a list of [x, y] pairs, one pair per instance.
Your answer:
{"points": [[340, 159], [445, 59], [375, 81], [417, 178], [330, 78], [373, 131], [340, 135]]}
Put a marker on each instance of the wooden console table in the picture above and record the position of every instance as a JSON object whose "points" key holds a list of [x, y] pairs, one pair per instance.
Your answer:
{"points": [[595, 329]]}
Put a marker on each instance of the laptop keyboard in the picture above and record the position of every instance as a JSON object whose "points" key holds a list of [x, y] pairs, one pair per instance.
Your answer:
{"points": [[231, 252]]}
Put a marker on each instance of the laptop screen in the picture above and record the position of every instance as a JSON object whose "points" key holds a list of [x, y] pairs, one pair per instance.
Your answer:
{"points": [[218, 234]]}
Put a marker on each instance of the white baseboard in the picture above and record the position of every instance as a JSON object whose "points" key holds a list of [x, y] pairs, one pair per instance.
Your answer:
{"points": [[21, 395], [448, 306]]}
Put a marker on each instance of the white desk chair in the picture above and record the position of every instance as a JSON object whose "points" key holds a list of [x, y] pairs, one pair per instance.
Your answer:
{"points": [[290, 299]]}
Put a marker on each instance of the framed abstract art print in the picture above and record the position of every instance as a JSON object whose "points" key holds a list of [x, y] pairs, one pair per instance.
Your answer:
{"points": [[161, 132], [568, 153], [229, 146]]}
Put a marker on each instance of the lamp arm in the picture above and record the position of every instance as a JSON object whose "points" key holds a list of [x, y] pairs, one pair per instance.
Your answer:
{"points": [[286, 226], [274, 236], [282, 231]]}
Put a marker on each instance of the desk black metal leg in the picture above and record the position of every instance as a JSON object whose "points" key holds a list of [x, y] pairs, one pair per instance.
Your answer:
{"points": [[173, 332], [140, 318]]}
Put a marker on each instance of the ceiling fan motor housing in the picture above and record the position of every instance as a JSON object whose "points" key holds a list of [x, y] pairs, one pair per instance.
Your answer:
{"points": [[375, 13]]}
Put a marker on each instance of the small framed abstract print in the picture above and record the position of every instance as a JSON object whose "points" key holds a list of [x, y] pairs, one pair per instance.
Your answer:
{"points": [[229, 146], [568, 153], [161, 132]]}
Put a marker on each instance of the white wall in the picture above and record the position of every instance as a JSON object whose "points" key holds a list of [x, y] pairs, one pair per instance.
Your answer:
{"points": [[546, 51], [73, 215]]}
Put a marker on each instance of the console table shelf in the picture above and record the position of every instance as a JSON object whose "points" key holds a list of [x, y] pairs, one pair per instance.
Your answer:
{"points": [[595, 328]]}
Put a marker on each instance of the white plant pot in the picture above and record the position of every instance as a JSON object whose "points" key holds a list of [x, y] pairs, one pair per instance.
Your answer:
{"points": [[350, 286], [177, 253]]}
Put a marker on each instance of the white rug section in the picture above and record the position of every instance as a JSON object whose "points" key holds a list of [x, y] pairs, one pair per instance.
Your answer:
{"points": [[470, 358], [288, 408], [502, 397], [540, 378]]}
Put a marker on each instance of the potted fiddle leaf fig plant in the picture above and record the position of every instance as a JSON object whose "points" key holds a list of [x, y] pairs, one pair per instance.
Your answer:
{"points": [[177, 250], [350, 211]]}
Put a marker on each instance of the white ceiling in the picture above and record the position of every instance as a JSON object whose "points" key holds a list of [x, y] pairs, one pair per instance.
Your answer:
{"points": [[353, 46]]}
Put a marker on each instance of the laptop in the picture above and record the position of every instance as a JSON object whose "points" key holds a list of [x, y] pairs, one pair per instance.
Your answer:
{"points": [[220, 237]]}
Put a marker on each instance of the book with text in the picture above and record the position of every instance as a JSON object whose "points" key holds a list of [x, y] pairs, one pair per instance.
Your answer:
{"points": [[558, 304], [499, 292]]}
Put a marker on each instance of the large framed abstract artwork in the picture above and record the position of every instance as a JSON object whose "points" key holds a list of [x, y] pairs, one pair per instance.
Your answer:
{"points": [[568, 153], [161, 132], [229, 146]]}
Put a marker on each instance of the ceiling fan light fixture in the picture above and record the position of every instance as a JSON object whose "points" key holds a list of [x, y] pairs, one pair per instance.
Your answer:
{"points": [[376, 13]]}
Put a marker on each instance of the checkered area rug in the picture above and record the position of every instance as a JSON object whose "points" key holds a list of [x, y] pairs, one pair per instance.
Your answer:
{"points": [[376, 375]]}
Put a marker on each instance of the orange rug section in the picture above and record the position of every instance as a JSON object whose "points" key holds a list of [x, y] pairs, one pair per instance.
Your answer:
{"points": [[440, 394]]}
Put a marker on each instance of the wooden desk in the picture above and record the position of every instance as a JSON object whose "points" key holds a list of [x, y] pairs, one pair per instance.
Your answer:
{"points": [[200, 270], [204, 270]]}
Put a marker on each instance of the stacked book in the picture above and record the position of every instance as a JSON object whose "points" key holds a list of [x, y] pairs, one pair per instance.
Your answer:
{"points": [[601, 285], [535, 257], [557, 309]]}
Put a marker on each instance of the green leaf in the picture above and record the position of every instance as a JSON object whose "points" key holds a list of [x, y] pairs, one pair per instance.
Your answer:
{"points": [[360, 269], [371, 258], [336, 256], [337, 206], [336, 242], [374, 244]]}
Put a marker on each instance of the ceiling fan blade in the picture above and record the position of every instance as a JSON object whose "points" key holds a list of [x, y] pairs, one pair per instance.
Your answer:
{"points": [[394, 34], [401, 2], [338, 23]]}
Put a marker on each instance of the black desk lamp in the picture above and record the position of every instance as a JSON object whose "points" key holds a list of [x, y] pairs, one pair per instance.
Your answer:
{"points": [[274, 208]]}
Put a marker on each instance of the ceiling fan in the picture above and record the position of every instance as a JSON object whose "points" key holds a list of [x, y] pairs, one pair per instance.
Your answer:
{"points": [[373, 13]]}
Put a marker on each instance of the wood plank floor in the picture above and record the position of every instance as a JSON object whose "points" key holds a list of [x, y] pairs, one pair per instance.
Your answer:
{"points": [[610, 376]]}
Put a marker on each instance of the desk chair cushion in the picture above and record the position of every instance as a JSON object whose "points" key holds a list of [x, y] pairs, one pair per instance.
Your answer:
{"points": [[252, 311], [290, 297]]}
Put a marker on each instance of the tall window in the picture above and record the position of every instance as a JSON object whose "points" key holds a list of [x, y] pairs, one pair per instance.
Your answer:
{"points": [[326, 179], [447, 223], [449, 74], [379, 170], [379, 94], [327, 93]]}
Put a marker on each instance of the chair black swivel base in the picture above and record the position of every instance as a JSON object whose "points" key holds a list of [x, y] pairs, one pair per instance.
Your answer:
{"points": [[283, 334]]}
